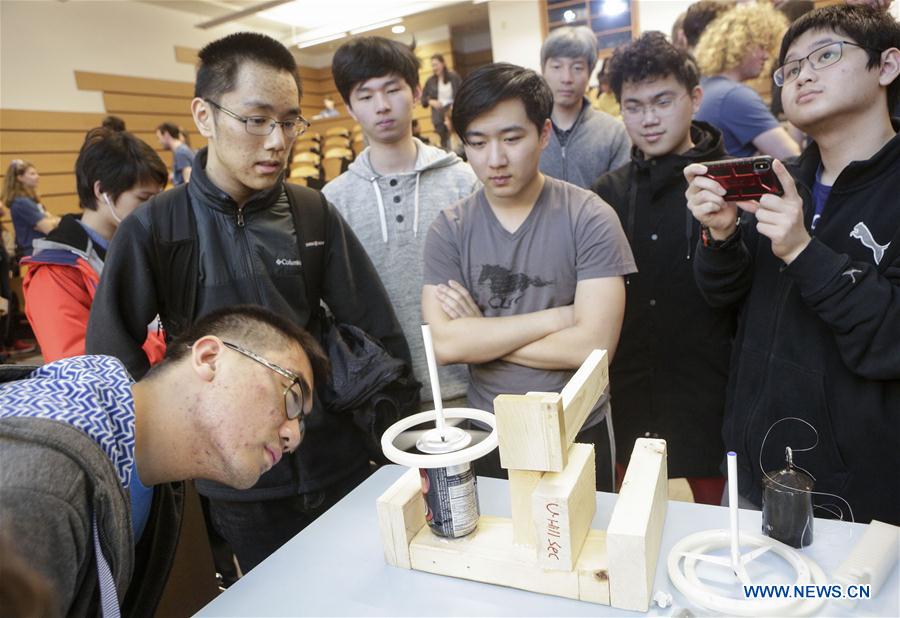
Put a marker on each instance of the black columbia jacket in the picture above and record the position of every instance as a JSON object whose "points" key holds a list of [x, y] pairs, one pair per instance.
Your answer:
{"points": [[249, 255]]}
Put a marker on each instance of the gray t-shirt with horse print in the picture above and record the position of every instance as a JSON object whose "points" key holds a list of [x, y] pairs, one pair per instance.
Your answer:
{"points": [[570, 235]]}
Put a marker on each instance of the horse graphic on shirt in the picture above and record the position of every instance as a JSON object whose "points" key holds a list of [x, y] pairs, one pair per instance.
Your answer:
{"points": [[506, 286], [861, 232]]}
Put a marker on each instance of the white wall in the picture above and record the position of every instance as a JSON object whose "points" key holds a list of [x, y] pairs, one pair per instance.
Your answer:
{"points": [[516, 34], [42, 44], [660, 14]]}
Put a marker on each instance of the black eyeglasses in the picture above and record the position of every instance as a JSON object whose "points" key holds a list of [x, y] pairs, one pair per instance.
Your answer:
{"points": [[263, 125], [819, 58], [297, 396]]}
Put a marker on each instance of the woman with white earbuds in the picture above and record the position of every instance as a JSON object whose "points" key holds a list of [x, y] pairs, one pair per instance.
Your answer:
{"points": [[115, 173]]}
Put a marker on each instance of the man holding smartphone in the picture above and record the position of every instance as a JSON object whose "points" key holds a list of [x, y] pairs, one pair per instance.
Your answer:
{"points": [[816, 365]]}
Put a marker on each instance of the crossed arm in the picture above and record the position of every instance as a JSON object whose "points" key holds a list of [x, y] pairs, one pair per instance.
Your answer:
{"points": [[557, 338]]}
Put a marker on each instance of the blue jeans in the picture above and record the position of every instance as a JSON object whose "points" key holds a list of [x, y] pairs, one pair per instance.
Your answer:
{"points": [[254, 530]]}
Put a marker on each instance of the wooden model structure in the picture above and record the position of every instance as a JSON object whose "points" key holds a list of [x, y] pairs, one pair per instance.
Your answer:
{"points": [[547, 546]]}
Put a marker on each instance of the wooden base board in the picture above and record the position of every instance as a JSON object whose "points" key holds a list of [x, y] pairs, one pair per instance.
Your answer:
{"points": [[488, 555]]}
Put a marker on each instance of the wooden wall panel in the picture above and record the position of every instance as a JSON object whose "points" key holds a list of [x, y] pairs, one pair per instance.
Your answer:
{"points": [[133, 85], [40, 141], [186, 55], [61, 204], [57, 184], [55, 163], [145, 104]]}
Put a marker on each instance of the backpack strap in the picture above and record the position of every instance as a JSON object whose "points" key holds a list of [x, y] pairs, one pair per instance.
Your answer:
{"points": [[309, 209], [173, 229]]}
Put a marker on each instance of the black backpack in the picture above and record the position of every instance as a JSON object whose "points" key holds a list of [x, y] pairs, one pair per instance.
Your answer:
{"points": [[376, 388]]}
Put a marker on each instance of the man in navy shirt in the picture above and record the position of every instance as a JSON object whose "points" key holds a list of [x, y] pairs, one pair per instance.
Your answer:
{"points": [[171, 138]]}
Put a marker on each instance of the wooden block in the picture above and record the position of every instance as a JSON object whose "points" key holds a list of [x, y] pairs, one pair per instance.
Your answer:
{"points": [[401, 515], [521, 488], [488, 555], [635, 529], [563, 505], [593, 569], [582, 392], [531, 432], [537, 429]]}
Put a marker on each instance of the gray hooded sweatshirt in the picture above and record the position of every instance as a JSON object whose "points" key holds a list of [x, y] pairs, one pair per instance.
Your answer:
{"points": [[391, 214]]}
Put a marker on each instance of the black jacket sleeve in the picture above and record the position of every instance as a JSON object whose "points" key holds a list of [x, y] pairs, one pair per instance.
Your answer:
{"points": [[859, 304], [126, 299], [724, 275], [353, 290], [429, 91]]}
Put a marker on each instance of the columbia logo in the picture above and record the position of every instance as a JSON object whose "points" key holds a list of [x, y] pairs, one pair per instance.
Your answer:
{"points": [[316, 243], [287, 262]]}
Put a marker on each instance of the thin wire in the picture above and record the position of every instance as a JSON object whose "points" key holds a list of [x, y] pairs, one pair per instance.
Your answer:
{"points": [[800, 450]]}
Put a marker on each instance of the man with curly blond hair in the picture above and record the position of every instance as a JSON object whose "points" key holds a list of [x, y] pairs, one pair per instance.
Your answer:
{"points": [[735, 48]]}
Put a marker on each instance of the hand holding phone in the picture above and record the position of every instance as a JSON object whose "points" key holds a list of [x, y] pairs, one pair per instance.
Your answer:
{"points": [[745, 179]]}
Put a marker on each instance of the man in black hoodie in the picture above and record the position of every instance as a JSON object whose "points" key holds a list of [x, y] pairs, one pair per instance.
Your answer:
{"points": [[237, 234], [668, 379], [816, 365]]}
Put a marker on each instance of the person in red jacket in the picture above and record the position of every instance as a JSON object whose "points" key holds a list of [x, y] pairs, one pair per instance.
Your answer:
{"points": [[115, 172]]}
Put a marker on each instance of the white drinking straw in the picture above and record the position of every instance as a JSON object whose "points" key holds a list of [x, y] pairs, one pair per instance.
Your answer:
{"points": [[435, 382]]}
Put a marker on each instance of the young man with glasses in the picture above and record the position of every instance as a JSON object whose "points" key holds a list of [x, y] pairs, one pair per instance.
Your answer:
{"points": [[671, 366], [237, 233], [817, 271], [91, 462]]}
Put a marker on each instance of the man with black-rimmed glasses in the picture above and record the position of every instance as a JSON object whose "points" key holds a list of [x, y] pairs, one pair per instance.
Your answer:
{"points": [[91, 462], [237, 233]]}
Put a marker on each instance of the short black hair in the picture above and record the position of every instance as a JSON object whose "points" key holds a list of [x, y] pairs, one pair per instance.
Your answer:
{"points": [[871, 28], [171, 129], [119, 160], [221, 60], [492, 84], [699, 15], [255, 328], [367, 57], [113, 123], [651, 56]]}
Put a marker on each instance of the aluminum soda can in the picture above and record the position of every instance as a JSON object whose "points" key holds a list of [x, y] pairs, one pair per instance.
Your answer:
{"points": [[451, 500]]}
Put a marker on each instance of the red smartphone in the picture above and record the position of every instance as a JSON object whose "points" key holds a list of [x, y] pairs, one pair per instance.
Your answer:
{"points": [[745, 179]]}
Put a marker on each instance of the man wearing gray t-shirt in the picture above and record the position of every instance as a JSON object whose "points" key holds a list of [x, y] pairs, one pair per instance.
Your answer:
{"points": [[525, 277]]}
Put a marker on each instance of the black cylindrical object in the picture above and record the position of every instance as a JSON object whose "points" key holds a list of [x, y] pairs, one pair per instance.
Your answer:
{"points": [[787, 512]]}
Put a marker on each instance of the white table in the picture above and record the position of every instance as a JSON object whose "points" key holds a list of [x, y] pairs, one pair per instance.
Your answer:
{"points": [[336, 567]]}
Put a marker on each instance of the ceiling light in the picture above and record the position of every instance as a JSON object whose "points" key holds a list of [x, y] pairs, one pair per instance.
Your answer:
{"points": [[321, 39], [569, 16], [377, 25], [613, 8], [399, 29]]}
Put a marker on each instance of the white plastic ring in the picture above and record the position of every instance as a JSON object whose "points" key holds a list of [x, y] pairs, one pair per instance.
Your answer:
{"points": [[442, 460], [698, 593]]}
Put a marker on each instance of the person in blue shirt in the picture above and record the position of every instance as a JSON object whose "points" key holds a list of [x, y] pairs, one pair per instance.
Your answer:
{"points": [[171, 138], [733, 49], [91, 462], [30, 219]]}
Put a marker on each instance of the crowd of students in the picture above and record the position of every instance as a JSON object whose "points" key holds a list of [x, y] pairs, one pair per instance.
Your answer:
{"points": [[729, 325]]}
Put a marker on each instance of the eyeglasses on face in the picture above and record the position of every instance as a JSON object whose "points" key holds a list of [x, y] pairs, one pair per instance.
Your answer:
{"points": [[263, 125], [297, 396], [819, 58], [661, 107]]}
